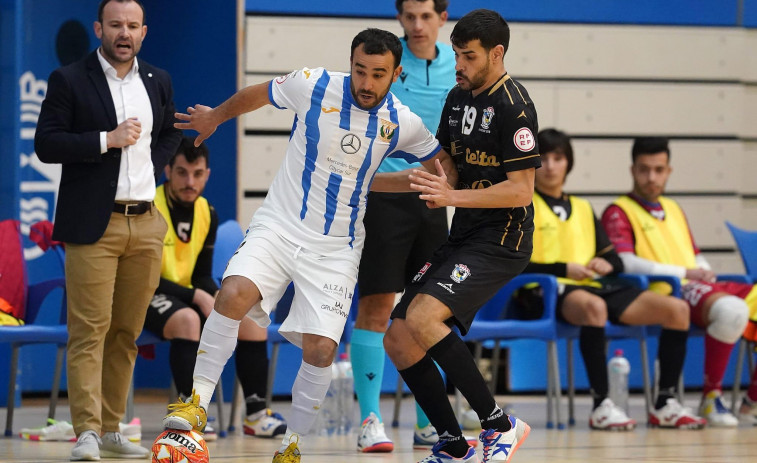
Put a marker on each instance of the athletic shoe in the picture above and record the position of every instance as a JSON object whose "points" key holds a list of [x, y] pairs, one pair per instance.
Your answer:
{"points": [[64, 431], [291, 454], [501, 446], [131, 430], [114, 445], [426, 437], [438, 455], [87, 447], [210, 433], [186, 415], [714, 411], [610, 417], [372, 437], [675, 415], [265, 423], [748, 412], [54, 431], [470, 421]]}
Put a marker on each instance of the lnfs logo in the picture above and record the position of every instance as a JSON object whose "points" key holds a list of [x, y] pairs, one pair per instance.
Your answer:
{"points": [[38, 182]]}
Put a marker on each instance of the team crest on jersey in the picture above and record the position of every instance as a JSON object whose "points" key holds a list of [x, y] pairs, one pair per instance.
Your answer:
{"points": [[386, 131], [487, 117], [421, 272], [460, 273]]}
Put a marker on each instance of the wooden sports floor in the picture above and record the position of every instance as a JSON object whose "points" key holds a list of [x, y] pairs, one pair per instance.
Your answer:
{"points": [[577, 444]]}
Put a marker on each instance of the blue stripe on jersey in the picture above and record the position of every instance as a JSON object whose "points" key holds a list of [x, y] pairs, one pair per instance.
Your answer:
{"points": [[312, 136], [344, 115], [294, 127], [332, 191], [270, 96], [412, 158], [370, 132]]}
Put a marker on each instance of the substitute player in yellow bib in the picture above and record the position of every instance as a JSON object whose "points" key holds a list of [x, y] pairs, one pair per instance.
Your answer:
{"points": [[652, 236], [570, 243]]}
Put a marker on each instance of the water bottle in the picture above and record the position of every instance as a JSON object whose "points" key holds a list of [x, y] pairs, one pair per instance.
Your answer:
{"points": [[346, 395], [327, 421], [618, 369]]}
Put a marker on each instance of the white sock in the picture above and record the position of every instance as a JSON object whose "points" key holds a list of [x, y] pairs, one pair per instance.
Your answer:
{"points": [[217, 343], [308, 392]]}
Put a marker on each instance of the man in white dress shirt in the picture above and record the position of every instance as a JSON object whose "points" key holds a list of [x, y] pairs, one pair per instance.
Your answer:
{"points": [[108, 119]]}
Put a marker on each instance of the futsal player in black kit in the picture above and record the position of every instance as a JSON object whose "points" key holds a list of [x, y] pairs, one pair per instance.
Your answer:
{"points": [[489, 127]]}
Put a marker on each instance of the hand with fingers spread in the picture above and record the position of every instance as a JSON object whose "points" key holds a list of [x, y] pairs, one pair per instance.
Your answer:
{"points": [[434, 189], [200, 118], [126, 134]]}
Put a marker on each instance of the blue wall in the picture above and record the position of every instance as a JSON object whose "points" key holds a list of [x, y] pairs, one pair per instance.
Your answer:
{"points": [[203, 71], [197, 45], [671, 12]]}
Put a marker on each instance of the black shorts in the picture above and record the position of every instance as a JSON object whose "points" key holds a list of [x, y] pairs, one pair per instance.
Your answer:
{"points": [[617, 297], [401, 234], [161, 307], [464, 276]]}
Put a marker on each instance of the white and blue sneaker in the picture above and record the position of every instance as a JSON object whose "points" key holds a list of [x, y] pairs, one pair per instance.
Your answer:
{"points": [[716, 414], [265, 423], [426, 437], [440, 456], [501, 446]]}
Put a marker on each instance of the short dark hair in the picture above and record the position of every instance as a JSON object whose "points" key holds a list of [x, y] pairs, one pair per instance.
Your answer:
{"points": [[485, 25], [105, 2], [649, 145], [555, 140], [191, 152], [378, 42], [440, 6]]}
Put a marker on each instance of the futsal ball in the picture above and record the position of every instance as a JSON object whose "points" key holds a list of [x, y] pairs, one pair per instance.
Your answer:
{"points": [[175, 446]]}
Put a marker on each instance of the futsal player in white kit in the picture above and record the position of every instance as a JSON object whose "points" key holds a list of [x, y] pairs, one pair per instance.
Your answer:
{"points": [[309, 229]]}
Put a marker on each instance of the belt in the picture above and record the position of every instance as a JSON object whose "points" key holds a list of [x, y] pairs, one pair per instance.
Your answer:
{"points": [[133, 208]]}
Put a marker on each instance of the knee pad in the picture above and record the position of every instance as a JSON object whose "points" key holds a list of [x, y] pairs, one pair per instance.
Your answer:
{"points": [[727, 319]]}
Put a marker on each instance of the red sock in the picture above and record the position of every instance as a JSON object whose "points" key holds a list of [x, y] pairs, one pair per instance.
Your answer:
{"points": [[716, 355], [752, 392]]}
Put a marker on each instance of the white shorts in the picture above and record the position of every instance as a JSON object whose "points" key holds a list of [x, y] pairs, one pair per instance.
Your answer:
{"points": [[323, 285]]}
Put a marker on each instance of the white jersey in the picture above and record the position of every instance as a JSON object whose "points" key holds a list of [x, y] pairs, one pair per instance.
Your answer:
{"points": [[317, 199]]}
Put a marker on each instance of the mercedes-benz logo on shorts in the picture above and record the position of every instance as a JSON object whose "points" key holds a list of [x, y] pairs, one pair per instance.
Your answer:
{"points": [[350, 143]]}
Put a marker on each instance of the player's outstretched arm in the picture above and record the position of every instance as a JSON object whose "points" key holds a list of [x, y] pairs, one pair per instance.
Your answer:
{"points": [[205, 119]]}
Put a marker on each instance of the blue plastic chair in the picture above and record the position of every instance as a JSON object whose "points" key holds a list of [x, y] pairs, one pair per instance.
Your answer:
{"points": [[228, 237], [491, 324], [33, 333], [746, 241]]}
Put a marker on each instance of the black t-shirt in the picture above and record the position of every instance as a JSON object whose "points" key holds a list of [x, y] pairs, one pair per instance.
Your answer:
{"points": [[488, 136]]}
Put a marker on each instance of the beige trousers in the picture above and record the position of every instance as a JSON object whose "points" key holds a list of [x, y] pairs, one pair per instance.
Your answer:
{"points": [[110, 284]]}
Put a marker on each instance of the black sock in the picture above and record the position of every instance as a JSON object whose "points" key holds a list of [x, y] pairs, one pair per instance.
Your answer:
{"points": [[182, 354], [671, 354], [455, 359], [426, 383], [592, 345], [252, 371]]}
